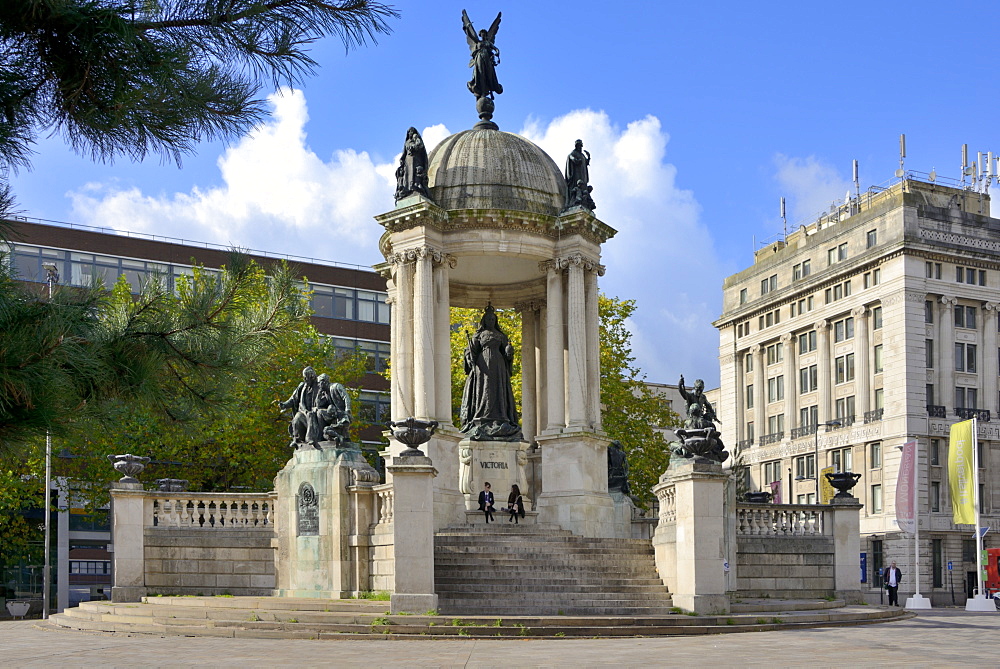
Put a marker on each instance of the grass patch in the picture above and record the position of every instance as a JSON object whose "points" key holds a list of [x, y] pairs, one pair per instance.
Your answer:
{"points": [[560, 633], [431, 624], [374, 595], [830, 598], [676, 609], [292, 620], [458, 622], [522, 630], [691, 613], [498, 622], [730, 621], [381, 624], [431, 612], [254, 618], [463, 632], [761, 621], [777, 621], [560, 612]]}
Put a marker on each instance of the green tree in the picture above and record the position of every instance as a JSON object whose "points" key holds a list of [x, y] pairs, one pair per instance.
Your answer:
{"points": [[85, 353], [126, 78], [630, 412]]}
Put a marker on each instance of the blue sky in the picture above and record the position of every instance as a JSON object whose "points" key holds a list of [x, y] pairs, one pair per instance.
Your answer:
{"points": [[699, 117]]}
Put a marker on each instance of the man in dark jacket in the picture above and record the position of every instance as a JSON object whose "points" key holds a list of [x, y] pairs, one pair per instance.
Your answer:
{"points": [[486, 502], [891, 576]]}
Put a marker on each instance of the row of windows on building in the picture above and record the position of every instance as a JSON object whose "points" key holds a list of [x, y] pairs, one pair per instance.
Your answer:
{"points": [[843, 330], [834, 255], [809, 377], [90, 567], [969, 275], [844, 412], [805, 305], [79, 269]]}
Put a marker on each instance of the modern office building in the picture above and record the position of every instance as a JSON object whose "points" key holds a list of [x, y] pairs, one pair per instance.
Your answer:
{"points": [[349, 305], [874, 325]]}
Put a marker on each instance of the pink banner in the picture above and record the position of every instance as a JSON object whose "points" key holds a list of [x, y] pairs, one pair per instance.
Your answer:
{"points": [[776, 492], [904, 488]]}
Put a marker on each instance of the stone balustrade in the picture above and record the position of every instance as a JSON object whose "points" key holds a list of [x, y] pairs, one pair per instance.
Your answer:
{"points": [[384, 494], [210, 511], [780, 520]]}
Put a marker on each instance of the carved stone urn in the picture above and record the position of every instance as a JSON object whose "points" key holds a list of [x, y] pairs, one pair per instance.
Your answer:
{"points": [[757, 497], [413, 432], [129, 465], [843, 482], [172, 485]]}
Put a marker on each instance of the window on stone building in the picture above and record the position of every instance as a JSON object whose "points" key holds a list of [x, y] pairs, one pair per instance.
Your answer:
{"points": [[876, 500], [937, 563], [966, 398], [843, 329], [965, 357], [878, 562], [776, 389], [808, 416], [769, 284], [743, 296], [750, 434], [801, 270], [968, 550], [935, 452], [775, 353], [772, 471], [879, 398], [875, 455], [748, 362], [935, 495], [982, 277], [845, 368], [808, 379], [845, 407], [933, 270], [749, 396], [842, 459], [837, 254], [930, 394], [878, 358], [872, 238], [965, 317], [776, 424], [876, 318], [929, 353], [928, 311], [807, 342], [805, 466]]}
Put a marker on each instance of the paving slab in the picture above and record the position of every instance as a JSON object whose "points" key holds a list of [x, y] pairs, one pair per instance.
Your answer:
{"points": [[935, 638]]}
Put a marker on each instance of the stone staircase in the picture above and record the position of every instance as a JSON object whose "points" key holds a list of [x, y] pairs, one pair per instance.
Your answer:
{"points": [[541, 570]]}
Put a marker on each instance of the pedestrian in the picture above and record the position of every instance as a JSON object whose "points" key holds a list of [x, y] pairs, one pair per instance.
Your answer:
{"points": [[486, 502], [891, 577], [515, 504]]}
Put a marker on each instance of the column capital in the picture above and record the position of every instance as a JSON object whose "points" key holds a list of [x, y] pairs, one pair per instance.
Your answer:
{"points": [[787, 338], [859, 312], [756, 349], [990, 306], [419, 253], [822, 325], [529, 305], [948, 302]]}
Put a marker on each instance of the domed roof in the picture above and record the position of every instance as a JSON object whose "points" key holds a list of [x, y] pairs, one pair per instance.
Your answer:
{"points": [[490, 169]]}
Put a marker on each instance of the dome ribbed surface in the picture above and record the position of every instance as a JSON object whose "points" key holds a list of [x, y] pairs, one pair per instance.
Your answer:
{"points": [[490, 169]]}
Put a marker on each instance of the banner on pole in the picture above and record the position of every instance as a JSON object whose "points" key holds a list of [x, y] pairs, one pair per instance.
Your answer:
{"points": [[904, 488], [776, 492], [961, 482], [826, 491]]}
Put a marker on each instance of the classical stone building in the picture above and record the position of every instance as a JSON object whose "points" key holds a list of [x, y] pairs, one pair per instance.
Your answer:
{"points": [[882, 319]]}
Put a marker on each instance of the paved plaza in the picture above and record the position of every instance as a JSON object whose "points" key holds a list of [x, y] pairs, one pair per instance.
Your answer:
{"points": [[941, 637]]}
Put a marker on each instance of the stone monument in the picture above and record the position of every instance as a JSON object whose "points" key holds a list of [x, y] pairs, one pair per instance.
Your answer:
{"points": [[314, 556], [496, 231]]}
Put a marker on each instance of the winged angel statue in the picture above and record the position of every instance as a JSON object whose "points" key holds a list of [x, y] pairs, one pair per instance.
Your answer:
{"points": [[485, 58]]}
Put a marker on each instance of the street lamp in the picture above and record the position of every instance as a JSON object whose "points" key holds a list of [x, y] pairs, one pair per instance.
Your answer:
{"points": [[51, 277], [829, 423]]}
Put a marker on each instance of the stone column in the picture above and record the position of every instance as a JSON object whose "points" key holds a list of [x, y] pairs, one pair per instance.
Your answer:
{"points": [[988, 370], [554, 371], [759, 398], [862, 355], [423, 336], [740, 377], [413, 534], [946, 352], [541, 371], [128, 521], [788, 370], [696, 573], [529, 403], [402, 380], [395, 350], [593, 346], [442, 340], [823, 372], [576, 380]]}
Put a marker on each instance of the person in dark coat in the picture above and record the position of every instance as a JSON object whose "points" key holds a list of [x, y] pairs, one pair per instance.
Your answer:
{"points": [[486, 502], [515, 504], [891, 576]]}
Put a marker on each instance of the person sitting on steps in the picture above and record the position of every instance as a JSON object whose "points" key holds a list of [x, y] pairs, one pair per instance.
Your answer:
{"points": [[486, 502], [515, 505]]}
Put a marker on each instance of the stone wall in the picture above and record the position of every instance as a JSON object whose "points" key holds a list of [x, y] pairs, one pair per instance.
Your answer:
{"points": [[196, 562], [785, 567]]}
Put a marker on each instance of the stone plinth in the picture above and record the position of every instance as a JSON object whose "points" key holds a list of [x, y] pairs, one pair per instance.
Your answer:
{"points": [[689, 541], [844, 524], [575, 491], [413, 534], [128, 524], [500, 463], [313, 519]]}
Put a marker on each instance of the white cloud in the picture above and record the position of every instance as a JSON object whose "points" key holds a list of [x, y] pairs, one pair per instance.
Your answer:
{"points": [[809, 185], [277, 194], [662, 256]]}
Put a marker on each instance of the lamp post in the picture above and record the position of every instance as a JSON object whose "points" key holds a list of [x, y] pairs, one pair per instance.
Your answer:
{"points": [[51, 277], [829, 423]]}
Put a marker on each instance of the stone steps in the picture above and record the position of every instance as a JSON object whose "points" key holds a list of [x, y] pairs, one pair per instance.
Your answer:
{"points": [[256, 617]]}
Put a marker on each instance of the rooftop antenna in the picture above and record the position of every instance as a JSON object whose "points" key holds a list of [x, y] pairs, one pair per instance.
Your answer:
{"points": [[965, 163], [857, 179], [902, 154], [784, 221]]}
